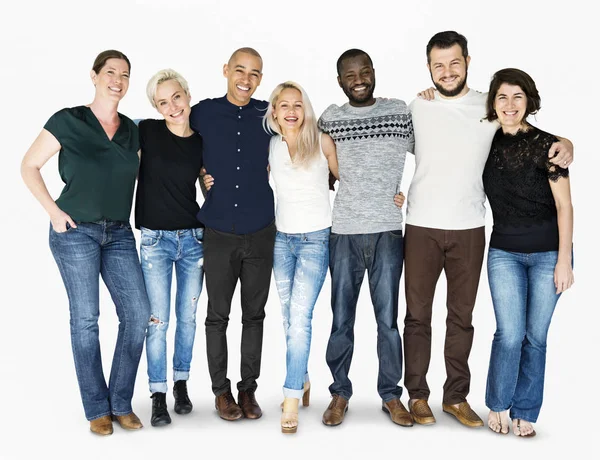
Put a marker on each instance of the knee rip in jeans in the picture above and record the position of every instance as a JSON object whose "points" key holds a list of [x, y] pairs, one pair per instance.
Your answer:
{"points": [[200, 262], [154, 321]]}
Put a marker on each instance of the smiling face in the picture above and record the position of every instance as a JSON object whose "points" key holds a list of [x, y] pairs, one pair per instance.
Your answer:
{"points": [[510, 104], [243, 73], [172, 102], [357, 79], [289, 110], [112, 81], [448, 70]]}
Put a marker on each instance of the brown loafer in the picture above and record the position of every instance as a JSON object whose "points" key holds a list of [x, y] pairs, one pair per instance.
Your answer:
{"points": [[102, 426], [248, 404], [398, 413], [335, 412], [421, 412], [129, 421], [464, 414], [227, 407]]}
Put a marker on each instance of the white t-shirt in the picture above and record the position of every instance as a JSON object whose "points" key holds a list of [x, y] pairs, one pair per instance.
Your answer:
{"points": [[301, 192], [452, 143]]}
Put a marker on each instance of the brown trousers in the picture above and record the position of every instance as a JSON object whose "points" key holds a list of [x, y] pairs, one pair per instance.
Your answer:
{"points": [[460, 254]]}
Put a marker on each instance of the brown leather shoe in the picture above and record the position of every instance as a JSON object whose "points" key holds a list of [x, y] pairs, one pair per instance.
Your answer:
{"points": [[227, 407], [335, 412], [101, 426], [464, 414], [421, 412], [129, 421], [398, 413], [248, 404]]}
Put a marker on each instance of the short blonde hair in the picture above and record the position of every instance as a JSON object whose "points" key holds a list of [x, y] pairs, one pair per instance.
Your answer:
{"points": [[308, 142], [162, 76]]}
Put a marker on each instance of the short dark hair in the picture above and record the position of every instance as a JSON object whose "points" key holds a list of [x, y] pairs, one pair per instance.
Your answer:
{"points": [[104, 56], [515, 77], [349, 54], [445, 40]]}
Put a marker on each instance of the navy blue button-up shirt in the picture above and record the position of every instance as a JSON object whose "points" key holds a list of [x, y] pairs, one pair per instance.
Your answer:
{"points": [[236, 154]]}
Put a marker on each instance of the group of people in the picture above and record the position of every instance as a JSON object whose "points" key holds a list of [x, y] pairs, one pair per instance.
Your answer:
{"points": [[467, 142]]}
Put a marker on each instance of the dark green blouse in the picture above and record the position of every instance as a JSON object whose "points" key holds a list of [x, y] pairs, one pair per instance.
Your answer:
{"points": [[99, 174]]}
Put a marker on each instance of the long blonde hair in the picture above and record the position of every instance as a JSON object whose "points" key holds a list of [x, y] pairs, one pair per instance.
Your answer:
{"points": [[307, 143]]}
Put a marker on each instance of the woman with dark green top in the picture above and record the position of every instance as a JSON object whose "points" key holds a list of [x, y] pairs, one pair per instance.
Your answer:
{"points": [[90, 235]]}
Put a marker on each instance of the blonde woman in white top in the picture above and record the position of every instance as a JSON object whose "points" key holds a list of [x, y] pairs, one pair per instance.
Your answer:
{"points": [[300, 158]]}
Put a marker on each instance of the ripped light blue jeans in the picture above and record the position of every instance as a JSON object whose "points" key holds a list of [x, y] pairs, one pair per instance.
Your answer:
{"points": [[300, 262], [159, 251]]}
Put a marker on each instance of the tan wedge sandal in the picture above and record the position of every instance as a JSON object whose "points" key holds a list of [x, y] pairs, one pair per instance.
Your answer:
{"points": [[306, 394], [289, 415]]}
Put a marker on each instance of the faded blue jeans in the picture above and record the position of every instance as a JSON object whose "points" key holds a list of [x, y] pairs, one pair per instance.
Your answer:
{"points": [[300, 263], [159, 251], [524, 297], [381, 255], [83, 254]]}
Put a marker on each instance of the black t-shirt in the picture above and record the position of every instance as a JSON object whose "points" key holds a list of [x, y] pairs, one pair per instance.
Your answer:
{"points": [[515, 179], [169, 169]]}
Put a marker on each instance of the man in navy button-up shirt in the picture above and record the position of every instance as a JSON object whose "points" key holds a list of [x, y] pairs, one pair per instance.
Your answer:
{"points": [[238, 213]]}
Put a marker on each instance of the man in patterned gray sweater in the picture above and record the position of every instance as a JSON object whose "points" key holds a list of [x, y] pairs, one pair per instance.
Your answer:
{"points": [[372, 136]]}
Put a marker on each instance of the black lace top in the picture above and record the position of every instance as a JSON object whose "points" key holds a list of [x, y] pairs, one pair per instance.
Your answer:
{"points": [[515, 180]]}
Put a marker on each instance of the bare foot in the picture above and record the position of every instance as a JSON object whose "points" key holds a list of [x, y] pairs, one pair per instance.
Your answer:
{"points": [[498, 421], [523, 428]]}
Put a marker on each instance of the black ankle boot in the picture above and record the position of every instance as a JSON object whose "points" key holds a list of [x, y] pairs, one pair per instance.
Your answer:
{"points": [[183, 405], [160, 414]]}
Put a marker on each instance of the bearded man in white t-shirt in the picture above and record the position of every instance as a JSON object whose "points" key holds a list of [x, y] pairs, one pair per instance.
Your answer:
{"points": [[445, 224]]}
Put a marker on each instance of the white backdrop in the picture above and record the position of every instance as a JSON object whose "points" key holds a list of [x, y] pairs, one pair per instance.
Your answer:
{"points": [[47, 52]]}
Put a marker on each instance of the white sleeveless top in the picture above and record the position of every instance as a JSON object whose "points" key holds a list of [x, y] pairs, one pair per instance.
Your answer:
{"points": [[301, 192]]}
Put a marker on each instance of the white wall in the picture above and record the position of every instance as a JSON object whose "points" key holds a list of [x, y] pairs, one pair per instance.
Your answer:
{"points": [[47, 49]]}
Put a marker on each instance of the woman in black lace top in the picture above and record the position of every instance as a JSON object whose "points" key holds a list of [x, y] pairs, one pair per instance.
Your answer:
{"points": [[530, 255]]}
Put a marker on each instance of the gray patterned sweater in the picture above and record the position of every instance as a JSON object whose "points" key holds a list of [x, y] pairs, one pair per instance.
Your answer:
{"points": [[371, 145]]}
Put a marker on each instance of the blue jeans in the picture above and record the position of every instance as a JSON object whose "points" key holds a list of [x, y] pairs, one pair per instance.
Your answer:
{"points": [[106, 249], [381, 255], [524, 297], [300, 263], [159, 250]]}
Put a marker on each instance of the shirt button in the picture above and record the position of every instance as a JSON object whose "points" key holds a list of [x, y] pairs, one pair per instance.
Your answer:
{"points": [[239, 150], [237, 186], [235, 205], [238, 133], [237, 167], [239, 116], [240, 108]]}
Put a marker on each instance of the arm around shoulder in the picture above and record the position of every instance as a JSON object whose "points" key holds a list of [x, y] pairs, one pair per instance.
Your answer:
{"points": [[561, 152]]}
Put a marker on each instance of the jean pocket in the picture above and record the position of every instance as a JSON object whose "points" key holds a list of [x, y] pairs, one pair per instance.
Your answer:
{"points": [[396, 233], [150, 238], [198, 234], [68, 230]]}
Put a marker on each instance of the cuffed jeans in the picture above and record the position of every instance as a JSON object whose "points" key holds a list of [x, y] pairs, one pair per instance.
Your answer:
{"points": [[159, 251], [227, 258], [106, 249], [300, 262], [381, 255], [524, 298]]}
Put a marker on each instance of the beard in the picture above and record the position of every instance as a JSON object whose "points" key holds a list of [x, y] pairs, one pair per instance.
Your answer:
{"points": [[364, 98], [453, 92]]}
